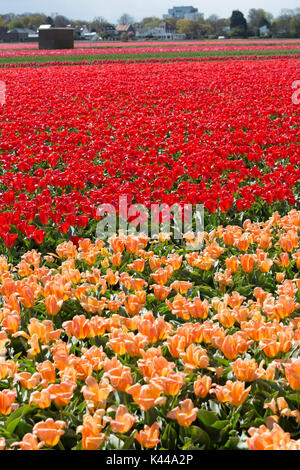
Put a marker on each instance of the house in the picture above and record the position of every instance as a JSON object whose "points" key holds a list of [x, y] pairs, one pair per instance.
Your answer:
{"points": [[19, 35], [110, 32], [264, 31], [3, 32], [125, 29], [162, 31]]}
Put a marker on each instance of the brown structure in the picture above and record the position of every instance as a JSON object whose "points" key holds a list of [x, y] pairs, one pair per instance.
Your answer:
{"points": [[56, 38], [126, 29]]}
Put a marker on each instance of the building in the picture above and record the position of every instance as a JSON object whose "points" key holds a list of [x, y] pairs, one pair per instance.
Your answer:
{"points": [[162, 31], [19, 35], [55, 38], [126, 29], [180, 13]]}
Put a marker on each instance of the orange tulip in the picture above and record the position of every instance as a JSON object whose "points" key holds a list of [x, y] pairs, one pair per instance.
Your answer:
{"points": [[171, 384], [149, 436], [123, 421], [7, 369], [120, 378], [49, 431], [270, 346], [160, 292], [233, 345], [198, 308], [137, 265], [29, 442], [116, 259], [135, 302], [232, 264], [66, 250], [62, 393], [245, 370], [41, 399], [185, 414], [227, 317], [202, 386], [232, 392], [7, 401], [147, 396], [181, 286], [292, 373], [53, 305], [271, 439], [160, 276], [283, 260], [117, 244], [195, 357], [95, 394], [47, 371], [131, 245], [28, 380], [247, 262], [92, 438]]}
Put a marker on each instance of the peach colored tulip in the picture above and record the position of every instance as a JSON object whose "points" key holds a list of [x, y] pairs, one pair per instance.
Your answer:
{"points": [[92, 438], [41, 399], [202, 386], [123, 421], [49, 431], [292, 373], [147, 396], [7, 401], [185, 414], [149, 436], [29, 442], [61, 393], [245, 370], [263, 438]]}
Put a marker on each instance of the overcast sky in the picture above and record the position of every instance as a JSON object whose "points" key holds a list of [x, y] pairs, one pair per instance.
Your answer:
{"points": [[112, 9]]}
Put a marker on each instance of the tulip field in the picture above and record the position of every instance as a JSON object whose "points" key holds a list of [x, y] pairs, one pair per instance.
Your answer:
{"points": [[141, 341]]}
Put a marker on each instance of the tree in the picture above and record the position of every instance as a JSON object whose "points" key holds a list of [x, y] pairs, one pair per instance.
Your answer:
{"points": [[60, 21], [238, 23], [258, 17], [16, 23], [126, 19], [188, 27]]}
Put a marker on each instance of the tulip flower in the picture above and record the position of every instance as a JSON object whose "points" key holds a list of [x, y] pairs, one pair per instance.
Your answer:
{"points": [[49, 431], [185, 414], [123, 421], [149, 436], [29, 442], [292, 373], [7, 401]]}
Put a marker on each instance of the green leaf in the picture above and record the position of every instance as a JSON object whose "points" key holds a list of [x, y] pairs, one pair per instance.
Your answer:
{"points": [[14, 419], [208, 418], [169, 437], [128, 442], [220, 424], [199, 436]]}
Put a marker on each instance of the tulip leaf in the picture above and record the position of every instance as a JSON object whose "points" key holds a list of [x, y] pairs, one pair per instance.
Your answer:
{"points": [[220, 424], [169, 437], [128, 442], [14, 419], [208, 418], [199, 436]]}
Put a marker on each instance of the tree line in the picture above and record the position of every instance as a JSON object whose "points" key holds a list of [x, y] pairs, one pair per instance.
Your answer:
{"points": [[287, 24]]}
